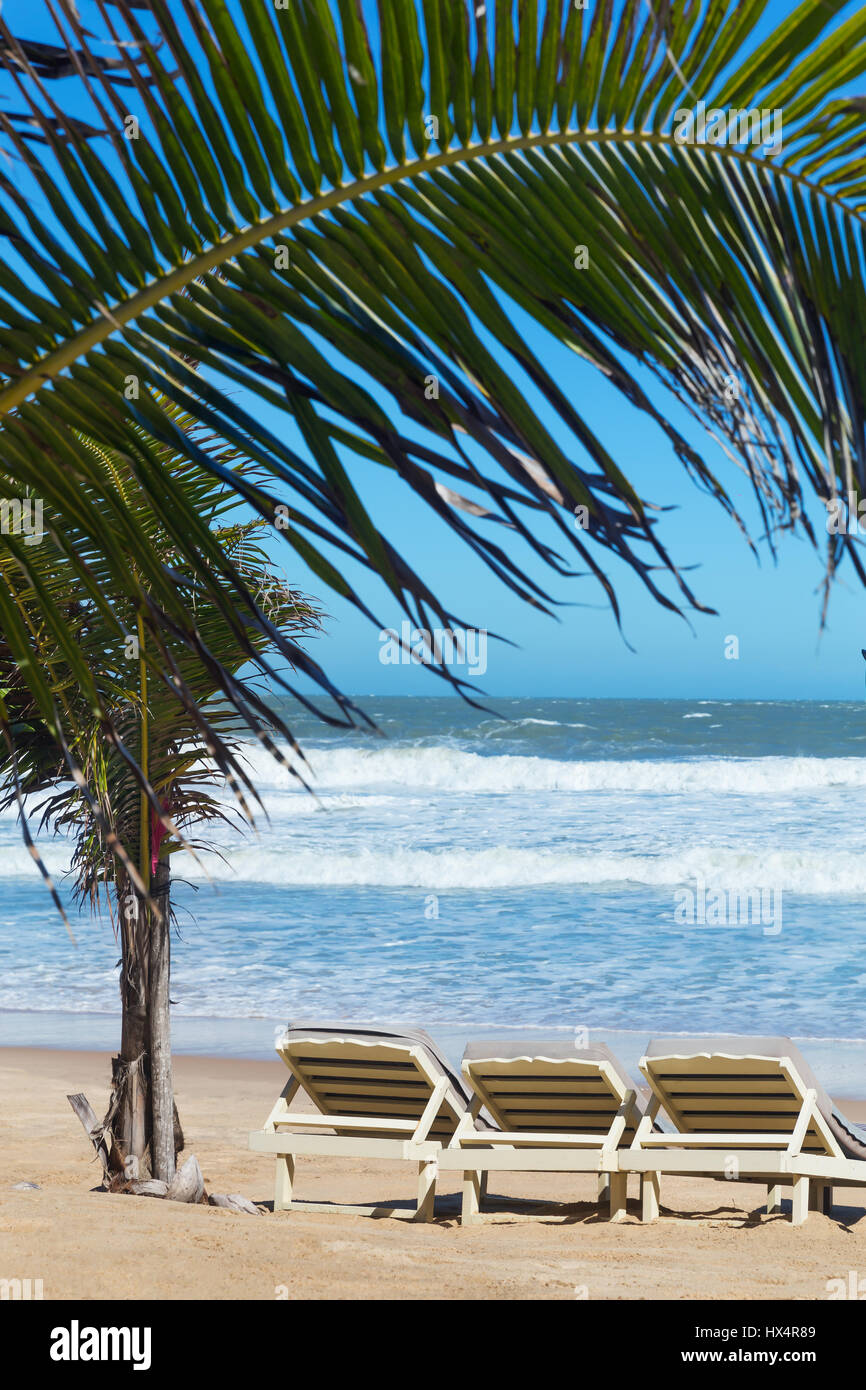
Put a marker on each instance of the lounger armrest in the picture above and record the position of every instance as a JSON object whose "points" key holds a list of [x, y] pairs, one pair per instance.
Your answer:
{"points": [[645, 1128], [807, 1109], [431, 1110], [339, 1122], [517, 1136], [728, 1137], [282, 1105], [618, 1124]]}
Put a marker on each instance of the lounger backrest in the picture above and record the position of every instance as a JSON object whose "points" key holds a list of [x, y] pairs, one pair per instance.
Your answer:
{"points": [[741, 1085], [553, 1086], [353, 1071]]}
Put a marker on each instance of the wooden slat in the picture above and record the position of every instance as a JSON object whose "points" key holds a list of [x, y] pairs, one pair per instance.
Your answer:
{"points": [[351, 1067], [365, 1075], [342, 1090], [371, 1106], [594, 1099], [567, 1122], [770, 1119], [745, 1086], [350, 1054], [597, 1117], [782, 1105], [549, 1087], [686, 1068], [534, 1078]]}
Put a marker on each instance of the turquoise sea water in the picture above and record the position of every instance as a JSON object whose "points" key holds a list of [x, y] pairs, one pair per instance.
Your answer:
{"points": [[473, 875]]}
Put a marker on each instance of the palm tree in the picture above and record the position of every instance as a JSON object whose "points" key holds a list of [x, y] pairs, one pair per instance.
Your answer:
{"points": [[381, 208], [121, 846]]}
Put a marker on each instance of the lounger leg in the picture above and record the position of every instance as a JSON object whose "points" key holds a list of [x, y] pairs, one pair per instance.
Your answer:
{"points": [[821, 1197], [427, 1175], [471, 1197], [283, 1186], [482, 1192], [800, 1204], [774, 1198], [650, 1186], [618, 1196], [603, 1188]]}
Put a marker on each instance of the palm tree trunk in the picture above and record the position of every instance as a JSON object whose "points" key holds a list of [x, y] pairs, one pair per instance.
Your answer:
{"points": [[142, 1114], [159, 1017], [129, 1111]]}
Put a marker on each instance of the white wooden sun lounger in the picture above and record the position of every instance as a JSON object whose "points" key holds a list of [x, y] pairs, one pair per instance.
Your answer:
{"points": [[746, 1108], [381, 1094], [556, 1108]]}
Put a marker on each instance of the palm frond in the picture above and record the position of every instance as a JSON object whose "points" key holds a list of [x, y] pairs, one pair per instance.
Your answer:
{"points": [[385, 212], [91, 788]]}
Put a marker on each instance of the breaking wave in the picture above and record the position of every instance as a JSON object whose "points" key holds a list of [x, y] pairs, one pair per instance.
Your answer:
{"points": [[455, 770]]}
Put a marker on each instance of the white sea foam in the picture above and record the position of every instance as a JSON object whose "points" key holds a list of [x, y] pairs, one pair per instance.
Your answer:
{"points": [[276, 861], [456, 770], [548, 723], [294, 801], [506, 866], [16, 862]]}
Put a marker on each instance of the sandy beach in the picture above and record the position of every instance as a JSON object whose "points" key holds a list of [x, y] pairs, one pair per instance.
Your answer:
{"points": [[713, 1241]]}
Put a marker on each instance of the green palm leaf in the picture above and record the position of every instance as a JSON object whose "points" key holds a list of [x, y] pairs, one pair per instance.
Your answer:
{"points": [[96, 679], [426, 181]]}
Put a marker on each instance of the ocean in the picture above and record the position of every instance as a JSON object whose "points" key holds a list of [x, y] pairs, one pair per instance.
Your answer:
{"points": [[628, 867]]}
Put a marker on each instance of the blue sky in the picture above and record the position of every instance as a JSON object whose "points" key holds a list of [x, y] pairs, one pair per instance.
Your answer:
{"points": [[773, 610]]}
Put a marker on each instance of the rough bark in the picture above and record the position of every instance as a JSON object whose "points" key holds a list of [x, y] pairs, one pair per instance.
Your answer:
{"points": [[142, 1115], [85, 1113], [188, 1184], [159, 1009], [233, 1201], [129, 1112]]}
